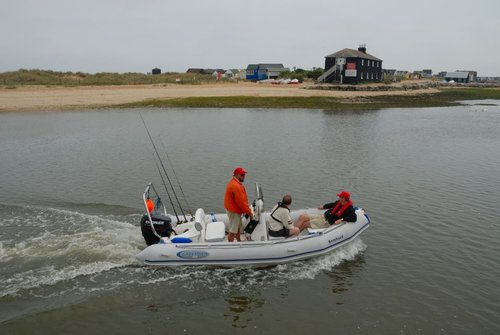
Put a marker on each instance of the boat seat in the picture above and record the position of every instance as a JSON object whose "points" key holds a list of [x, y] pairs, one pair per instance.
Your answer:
{"points": [[215, 231], [191, 233]]}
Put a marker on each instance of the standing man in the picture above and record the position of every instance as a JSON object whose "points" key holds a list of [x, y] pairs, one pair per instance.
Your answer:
{"points": [[236, 203]]}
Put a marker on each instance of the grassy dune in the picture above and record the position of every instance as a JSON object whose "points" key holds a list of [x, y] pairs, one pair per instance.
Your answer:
{"points": [[71, 79]]}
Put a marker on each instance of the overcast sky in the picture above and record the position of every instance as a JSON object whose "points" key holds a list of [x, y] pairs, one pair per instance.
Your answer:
{"points": [[136, 36]]}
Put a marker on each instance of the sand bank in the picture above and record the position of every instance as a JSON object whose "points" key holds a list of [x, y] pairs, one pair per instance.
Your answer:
{"points": [[59, 98]]}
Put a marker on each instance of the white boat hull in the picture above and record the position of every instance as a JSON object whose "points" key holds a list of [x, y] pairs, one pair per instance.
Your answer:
{"points": [[262, 250]]}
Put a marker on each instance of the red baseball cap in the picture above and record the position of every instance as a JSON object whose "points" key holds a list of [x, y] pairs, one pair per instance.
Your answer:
{"points": [[344, 194], [239, 170]]}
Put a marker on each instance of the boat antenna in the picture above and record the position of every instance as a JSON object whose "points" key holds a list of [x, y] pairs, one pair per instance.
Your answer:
{"points": [[163, 167], [166, 189], [177, 179]]}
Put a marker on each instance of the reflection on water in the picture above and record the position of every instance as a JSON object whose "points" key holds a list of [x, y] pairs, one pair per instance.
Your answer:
{"points": [[342, 274], [239, 309]]}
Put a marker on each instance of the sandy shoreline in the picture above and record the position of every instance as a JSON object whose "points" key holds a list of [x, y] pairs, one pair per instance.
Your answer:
{"points": [[59, 98]]}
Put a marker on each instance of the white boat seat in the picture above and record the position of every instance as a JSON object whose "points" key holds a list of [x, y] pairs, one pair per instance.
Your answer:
{"points": [[215, 231], [191, 233]]}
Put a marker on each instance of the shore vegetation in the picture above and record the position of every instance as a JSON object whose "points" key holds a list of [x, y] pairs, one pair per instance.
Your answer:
{"points": [[24, 77], [445, 97]]}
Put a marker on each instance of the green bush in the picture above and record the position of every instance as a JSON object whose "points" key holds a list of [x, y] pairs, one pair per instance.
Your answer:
{"points": [[302, 74]]}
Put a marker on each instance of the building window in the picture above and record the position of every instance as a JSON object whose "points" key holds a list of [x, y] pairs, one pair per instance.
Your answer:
{"points": [[362, 75], [362, 63]]}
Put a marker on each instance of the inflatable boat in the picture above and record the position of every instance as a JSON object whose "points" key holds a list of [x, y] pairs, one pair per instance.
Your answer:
{"points": [[201, 239]]}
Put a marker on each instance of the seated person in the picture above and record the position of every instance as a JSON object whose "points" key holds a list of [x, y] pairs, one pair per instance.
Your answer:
{"points": [[280, 222], [338, 211]]}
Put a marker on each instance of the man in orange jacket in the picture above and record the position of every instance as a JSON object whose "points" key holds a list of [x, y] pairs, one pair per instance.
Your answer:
{"points": [[236, 203]]}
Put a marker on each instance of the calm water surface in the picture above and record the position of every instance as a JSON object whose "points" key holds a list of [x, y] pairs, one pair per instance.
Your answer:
{"points": [[70, 202]]}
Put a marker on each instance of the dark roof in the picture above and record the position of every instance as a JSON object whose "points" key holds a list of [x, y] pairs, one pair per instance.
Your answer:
{"points": [[457, 74], [271, 66], [351, 53], [265, 66]]}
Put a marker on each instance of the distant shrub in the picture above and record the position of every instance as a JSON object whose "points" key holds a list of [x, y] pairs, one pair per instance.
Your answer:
{"points": [[302, 74]]}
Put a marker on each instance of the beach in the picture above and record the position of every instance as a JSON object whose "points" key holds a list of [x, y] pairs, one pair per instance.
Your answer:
{"points": [[37, 98]]}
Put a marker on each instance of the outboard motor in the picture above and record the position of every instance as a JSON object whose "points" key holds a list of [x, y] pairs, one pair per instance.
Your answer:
{"points": [[162, 225]]}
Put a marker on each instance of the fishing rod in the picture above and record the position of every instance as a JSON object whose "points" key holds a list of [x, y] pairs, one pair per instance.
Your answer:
{"points": [[177, 179], [163, 167], [166, 189]]}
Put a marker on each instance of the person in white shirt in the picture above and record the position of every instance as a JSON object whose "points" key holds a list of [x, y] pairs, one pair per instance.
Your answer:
{"points": [[280, 222]]}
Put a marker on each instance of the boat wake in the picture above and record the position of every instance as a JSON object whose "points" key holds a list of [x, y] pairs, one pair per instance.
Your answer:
{"points": [[46, 247]]}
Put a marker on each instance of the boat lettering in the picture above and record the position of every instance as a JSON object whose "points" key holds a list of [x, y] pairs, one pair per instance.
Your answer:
{"points": [[336, 239], [156, 222], [192, 254]]}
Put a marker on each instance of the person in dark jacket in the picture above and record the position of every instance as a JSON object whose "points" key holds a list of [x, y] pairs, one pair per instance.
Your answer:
{"points": [[337, 212]]}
